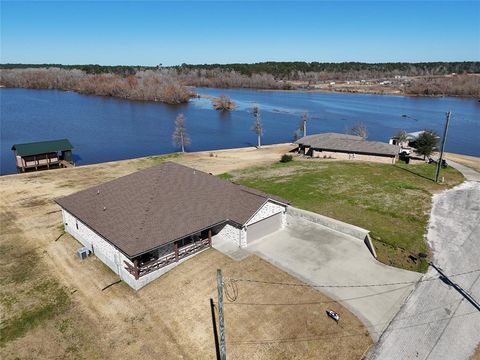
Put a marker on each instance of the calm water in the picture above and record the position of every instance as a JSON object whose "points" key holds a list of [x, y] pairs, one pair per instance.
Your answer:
{"points": [[105, 129]]}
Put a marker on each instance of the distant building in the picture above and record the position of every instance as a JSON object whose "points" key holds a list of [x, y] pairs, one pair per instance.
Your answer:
{"points": [[347, 147], [411, 138]]}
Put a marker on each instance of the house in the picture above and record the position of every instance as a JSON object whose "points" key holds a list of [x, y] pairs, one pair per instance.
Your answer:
{"points": [[347, 147], [143, 224], [411, 138], [43, 155]]}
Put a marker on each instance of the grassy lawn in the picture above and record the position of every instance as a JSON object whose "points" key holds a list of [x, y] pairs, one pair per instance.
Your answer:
{"points": [[392, 201]]}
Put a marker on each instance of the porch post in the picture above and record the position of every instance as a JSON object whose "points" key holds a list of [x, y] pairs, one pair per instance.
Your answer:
{"points": [[136, 270], [210, 237], [176, 252]]}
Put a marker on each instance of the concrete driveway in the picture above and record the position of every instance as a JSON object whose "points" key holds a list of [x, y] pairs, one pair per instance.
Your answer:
{"points": [[321, 256]]}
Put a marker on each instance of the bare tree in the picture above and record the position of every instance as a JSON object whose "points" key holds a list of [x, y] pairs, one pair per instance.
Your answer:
{"points": [[180, 136], [296, 135], [401, 137], [303, 123], [257, 126], [359, 129]]}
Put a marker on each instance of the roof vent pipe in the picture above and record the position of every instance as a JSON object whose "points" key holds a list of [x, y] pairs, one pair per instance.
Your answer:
{"points": [[104, 208]]}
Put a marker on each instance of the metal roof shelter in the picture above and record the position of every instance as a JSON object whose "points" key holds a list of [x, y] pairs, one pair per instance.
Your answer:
{"points": [[43, 154]]}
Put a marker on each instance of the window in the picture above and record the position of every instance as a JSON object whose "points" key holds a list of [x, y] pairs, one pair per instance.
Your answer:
{"points": [[76, 224]]}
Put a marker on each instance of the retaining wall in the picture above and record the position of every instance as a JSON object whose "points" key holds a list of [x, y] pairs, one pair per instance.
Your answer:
{"points": [[340, 226]]}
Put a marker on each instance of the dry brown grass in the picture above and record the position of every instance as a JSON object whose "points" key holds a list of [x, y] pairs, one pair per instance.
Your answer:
{"points": [[476, 355], [470, 161], [52, 304]]}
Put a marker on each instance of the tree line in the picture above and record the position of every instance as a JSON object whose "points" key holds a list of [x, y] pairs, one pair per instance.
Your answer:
{"points": [[295, 70], [170, 84], [283, 70]]}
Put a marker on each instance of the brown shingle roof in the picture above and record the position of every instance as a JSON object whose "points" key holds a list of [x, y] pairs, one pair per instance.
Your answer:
{"points": [[148, 208], [347, 143]]}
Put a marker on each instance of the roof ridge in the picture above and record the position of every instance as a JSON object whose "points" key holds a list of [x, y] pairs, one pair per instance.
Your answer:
{"points": [[148, 206]]}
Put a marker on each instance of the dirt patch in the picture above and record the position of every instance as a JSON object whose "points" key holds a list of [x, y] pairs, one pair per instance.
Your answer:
{"points": [[222, 161], [476, 356]]}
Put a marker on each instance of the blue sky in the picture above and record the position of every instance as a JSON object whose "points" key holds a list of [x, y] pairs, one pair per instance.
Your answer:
{"points": [[150, 33]]}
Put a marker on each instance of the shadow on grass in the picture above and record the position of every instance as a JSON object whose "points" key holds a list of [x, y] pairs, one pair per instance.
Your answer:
{"points": [[415, 173]]}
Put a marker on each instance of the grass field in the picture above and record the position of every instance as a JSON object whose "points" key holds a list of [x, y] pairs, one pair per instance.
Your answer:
{"points": [[393, 202], [52, 305]]}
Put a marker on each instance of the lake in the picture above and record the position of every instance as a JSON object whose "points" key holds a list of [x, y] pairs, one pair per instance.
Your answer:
{"points": [[105, 129]]}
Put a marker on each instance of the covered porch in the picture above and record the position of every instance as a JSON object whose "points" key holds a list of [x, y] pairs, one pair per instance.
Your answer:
{"points": [[171, 253]]}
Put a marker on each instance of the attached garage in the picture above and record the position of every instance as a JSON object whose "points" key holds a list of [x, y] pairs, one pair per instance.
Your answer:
{"points": [[264, 227]]}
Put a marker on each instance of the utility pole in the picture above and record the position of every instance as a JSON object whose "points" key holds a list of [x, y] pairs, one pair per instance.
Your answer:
{"points": [[221, 323], [445, 131]]}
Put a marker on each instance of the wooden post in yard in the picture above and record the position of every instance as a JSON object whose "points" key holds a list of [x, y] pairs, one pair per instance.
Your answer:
{"points": [[221, 323]]}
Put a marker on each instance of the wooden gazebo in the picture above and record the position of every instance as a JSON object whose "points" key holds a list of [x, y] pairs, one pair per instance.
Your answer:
{"points": [[43, 155]]}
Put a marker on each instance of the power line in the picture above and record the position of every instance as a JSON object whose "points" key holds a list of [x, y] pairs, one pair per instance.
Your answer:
{"points": [[336, 334], [406, 317], [349, 286], [317, 302]]}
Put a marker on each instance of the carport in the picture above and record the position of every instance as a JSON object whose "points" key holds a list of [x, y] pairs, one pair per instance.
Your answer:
{"points": [[321, 256]]}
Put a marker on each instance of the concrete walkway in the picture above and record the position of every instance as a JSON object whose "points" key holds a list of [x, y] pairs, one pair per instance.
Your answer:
{"points": [[437, 322], [321, 256], [470, 174]]}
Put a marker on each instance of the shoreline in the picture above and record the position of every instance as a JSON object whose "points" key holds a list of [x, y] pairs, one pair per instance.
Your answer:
{"points": [[296, 90], [470, 161], [392, 93]]}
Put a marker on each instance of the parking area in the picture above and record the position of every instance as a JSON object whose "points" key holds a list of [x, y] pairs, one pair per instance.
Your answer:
{"points": [[321, 257]]}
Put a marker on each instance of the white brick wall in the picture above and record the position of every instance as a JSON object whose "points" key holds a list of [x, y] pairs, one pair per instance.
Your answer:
{"points": [[231, 233], [114, 259], [243, 238], [109, 255], [268, 210]]}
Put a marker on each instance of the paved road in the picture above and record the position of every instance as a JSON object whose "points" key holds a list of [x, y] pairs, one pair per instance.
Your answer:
{"points": [[319, 255], [437, 322]]}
